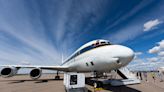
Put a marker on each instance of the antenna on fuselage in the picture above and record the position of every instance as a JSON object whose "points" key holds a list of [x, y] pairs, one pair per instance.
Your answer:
{"points": [[62, 57]]}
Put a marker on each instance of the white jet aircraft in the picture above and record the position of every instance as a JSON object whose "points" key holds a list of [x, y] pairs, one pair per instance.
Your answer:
{"points": [[94, 56]]}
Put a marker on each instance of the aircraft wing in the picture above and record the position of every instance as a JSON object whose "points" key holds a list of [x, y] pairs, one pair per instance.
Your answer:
{"points": [[59, 68]]}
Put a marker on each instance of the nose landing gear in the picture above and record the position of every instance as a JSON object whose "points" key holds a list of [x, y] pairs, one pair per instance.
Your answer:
{"points": [[57, 77]]}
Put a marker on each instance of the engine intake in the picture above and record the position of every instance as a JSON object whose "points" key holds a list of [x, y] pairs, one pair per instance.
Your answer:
{"points": [[35, 73], [8, 72]]}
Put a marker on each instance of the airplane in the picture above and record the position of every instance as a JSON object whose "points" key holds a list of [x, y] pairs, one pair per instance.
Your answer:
{"points": [[95, 56]]}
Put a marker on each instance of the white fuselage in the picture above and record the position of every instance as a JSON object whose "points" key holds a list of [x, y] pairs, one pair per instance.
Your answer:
{"points": [[94, 56], [103, 58]]}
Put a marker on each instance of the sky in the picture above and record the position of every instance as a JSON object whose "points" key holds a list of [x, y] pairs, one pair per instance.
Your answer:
{"points": [[42, 31]]}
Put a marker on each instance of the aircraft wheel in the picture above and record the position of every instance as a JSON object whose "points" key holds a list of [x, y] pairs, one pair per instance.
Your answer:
{"points": [[57, 77], [98, 84]]}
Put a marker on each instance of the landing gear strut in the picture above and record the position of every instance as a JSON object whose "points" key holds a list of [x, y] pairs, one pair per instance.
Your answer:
{"points": [[97, 83], [57, 77]]}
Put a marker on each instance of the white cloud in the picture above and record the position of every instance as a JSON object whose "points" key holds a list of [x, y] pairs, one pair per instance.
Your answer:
{"points": [[161, 53], [146, 66], [137, 54], [159, 50], [151, 63], [133, 11], [161, 44], [161, 59], [155, 49], [153, 59], [138, 60], [151, 24], [41, 39]]}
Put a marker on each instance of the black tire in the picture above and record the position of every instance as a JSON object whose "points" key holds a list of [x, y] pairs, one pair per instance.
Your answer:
{"points": [[57, 77], [98, 84]]}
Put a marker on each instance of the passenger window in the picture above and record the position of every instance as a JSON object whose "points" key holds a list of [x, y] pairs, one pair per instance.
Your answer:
{"points": [[103, 43]]}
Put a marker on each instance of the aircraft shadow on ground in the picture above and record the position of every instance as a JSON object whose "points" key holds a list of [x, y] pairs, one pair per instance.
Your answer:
{"points": [[28, 80], [113, 88]]}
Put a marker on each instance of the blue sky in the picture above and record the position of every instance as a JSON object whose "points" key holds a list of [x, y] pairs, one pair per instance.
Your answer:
{"points": [[39, 31]]}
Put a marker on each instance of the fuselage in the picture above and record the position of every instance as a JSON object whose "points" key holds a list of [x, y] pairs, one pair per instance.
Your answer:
{"points": [[95, 56], [99, 55]]}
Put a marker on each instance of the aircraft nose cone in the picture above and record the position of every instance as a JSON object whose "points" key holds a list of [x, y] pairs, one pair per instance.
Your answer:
{"points": [[129, 53], [125, 54]]}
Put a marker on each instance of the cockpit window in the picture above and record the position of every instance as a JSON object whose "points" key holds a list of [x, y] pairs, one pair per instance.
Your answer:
{"points": [[103, 42], [97, 44]]}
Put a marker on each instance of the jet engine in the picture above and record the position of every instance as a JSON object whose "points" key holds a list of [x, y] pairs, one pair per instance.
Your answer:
{"points": [[35, 73], [8, 71]]}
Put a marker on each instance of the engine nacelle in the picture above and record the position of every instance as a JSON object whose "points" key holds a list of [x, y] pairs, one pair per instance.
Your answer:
{"points": [[35, 73], [8, 72]]}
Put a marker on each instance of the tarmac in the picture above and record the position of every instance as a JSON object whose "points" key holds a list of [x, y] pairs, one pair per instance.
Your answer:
{"points": [[47, 83]]}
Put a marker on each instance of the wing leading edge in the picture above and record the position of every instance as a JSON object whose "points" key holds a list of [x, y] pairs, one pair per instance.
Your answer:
{"points": [[59, 68]]}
